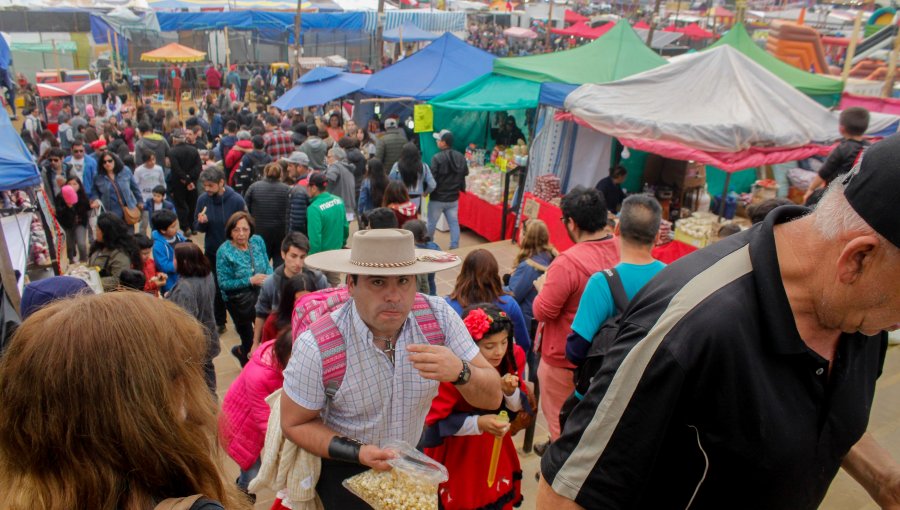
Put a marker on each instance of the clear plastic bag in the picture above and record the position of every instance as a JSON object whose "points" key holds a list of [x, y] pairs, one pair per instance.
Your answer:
{"points": [[412, 484]]}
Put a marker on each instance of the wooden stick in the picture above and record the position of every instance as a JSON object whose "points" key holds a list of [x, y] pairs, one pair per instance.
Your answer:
{"points": [[851, 50]]}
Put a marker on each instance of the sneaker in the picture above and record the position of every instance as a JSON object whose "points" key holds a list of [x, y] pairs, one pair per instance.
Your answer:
{"points": [[238, 353], [541, 448]]}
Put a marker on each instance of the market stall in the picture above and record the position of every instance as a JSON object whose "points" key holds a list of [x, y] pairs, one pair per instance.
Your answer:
{"points": [[76, 93], [320, 86]]}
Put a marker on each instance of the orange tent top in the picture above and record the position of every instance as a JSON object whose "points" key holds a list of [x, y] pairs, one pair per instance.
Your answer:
{"points": [[173, 53]]}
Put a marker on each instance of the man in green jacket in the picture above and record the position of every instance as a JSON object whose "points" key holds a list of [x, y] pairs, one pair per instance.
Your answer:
{"points": [[327, 224]]}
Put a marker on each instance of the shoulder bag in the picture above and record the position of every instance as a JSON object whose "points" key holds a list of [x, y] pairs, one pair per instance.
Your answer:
{"points": [[131, 215], [242, 303]]}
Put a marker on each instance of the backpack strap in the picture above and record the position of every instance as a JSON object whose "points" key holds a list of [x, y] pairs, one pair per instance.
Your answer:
{"points": [[333, 348], [620, 298], [185, 503], [424, 316], [334, 353]]}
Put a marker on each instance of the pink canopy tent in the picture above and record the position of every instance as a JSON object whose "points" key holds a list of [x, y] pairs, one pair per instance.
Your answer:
{"points": [[641, 25], [520, 33], [692, 31], [573, 17], [584, 30]]}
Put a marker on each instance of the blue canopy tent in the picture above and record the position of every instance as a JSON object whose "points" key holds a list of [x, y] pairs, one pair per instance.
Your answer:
{"points": [[5, 55], [326, 85], [443, 65], [408, 32], [17, 167]]}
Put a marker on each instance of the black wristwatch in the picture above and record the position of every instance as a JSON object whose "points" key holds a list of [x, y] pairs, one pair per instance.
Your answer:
{"points": [[464, 374]]}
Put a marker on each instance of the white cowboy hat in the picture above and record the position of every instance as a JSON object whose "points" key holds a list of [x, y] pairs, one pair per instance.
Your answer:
{"points": [[383, 252]]}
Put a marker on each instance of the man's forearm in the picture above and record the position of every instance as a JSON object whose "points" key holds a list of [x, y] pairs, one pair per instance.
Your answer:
{"points": [[258, 325], [872, 466], [548, 498], [483, 389]]}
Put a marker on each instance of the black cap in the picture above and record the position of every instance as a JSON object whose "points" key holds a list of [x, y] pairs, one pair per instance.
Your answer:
{"points": [[871, 188]]}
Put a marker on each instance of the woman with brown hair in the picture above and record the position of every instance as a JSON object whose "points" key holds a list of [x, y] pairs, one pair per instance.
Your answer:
{"points": [[241, 268], [396, 198], [196, 293], [91, 420], [479, 282], [534, 257], [267, 200]]}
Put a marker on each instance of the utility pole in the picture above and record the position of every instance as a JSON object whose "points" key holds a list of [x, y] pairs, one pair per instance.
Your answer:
{"points": [[653, 20], [295, 62], [379, 35]]}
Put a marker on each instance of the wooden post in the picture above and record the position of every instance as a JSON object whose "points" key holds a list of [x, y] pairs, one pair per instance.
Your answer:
{"points": [[550, 24], [118, 58], [653, 24], [379, 35], [888, 89], [112, 55], [851, 50], [295, 62]]}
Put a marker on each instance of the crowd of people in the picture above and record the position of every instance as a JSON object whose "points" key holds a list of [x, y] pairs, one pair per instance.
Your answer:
{"points": [[757, 356]]}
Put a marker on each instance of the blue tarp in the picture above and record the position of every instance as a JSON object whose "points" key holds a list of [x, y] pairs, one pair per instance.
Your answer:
{"points": [[5, 55], [321, 92], [441, 66], [554, 94], [258, 20], [321, 74], [99, 29], [408, 32], [17, 167]]}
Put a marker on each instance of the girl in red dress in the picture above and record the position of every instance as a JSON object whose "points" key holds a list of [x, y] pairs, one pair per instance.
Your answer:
{"points": [[461, 437]]}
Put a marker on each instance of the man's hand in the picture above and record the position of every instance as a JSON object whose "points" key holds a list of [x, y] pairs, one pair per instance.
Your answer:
{"points": [[95, 204], [490, 424], [509, 383], [375, 457], [191, 186], [539, 283], [806, 195], [435, 362], [201, 216], [258, 279], [888, 497]]}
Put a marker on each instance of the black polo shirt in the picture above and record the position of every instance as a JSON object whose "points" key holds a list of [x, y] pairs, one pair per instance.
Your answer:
{"points": [[710, 399]]}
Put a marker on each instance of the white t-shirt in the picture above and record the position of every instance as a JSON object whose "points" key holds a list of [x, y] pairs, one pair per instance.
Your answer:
{"points": [[149, 178]]}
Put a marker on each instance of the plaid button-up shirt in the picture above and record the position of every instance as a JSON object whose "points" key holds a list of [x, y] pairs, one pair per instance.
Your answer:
{"points": [[278, 144], [377, 401]]}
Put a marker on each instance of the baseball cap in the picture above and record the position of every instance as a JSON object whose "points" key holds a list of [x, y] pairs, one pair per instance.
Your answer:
{"points": [[43, 292], [178, 134], [440, 135], [871, 187], [390, 123], [297, 158]]}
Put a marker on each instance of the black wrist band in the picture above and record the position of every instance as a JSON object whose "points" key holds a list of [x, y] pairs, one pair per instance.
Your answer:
{"points": [[344, 449]]}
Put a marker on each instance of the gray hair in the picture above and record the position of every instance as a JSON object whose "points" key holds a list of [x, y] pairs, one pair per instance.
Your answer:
{"points": [[212, 175], [338, 153], [834, 216], [640, 219], [243, 135]]}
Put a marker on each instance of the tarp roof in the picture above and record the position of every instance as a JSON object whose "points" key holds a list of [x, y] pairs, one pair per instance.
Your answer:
{"points": [[573, 17], [583, 29], [5, 55], [173, 52], [259, 20], [272, 5], [641, 25], [713, 102], [17, 167], [443, 65], [808, 83], [617, 54], [70, 88], [515, 82], [692, 31], [320, 92], [408, 32]]}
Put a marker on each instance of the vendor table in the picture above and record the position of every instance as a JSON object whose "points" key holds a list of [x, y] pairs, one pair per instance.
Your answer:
{"points": [[551, 214], [483, 218]]}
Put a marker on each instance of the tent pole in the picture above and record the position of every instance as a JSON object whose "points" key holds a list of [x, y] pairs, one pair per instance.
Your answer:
{"points": [[56, 61], [724, 196], [112, 54], [379, 35], [653, 24], [549, 25], [851, 51], [227, 50], [888, 89]]}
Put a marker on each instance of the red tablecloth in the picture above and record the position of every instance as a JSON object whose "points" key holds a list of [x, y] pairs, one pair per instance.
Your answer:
{"points": [[482, 217]]}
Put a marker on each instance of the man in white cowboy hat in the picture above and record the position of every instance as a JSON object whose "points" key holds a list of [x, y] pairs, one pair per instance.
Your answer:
{"points": [[398, 347]]}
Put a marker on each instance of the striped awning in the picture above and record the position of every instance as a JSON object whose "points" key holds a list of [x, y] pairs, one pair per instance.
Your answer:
{"points": [[431, 21]]}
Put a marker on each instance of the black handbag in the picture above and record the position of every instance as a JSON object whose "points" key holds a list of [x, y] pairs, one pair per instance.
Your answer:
{"points": [[241, 303]]}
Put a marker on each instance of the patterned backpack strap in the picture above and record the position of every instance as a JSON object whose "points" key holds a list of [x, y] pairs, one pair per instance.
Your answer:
{"points": [[424, 316], [334, 353]]}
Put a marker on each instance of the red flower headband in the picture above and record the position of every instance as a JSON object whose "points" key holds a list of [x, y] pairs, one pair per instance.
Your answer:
{"points": [[478, 322]]}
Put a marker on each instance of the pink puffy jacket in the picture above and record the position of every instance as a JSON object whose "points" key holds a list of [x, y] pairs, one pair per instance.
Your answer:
{"points": [[245, 414]]}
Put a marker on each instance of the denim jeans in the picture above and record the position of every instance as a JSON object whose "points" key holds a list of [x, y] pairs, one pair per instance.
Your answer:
{"points": [[451, 211], [247, 476]]}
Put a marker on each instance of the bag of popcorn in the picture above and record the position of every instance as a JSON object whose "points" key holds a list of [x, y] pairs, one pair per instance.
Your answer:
{"points": [[412, 484]]}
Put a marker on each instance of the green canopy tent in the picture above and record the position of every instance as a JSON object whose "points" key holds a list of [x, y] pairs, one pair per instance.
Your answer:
{"points": [[514, 84], [825, 90]]}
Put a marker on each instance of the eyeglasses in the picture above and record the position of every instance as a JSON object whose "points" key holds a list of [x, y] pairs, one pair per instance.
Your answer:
{"points": [[108, 161], [77, 151]]}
